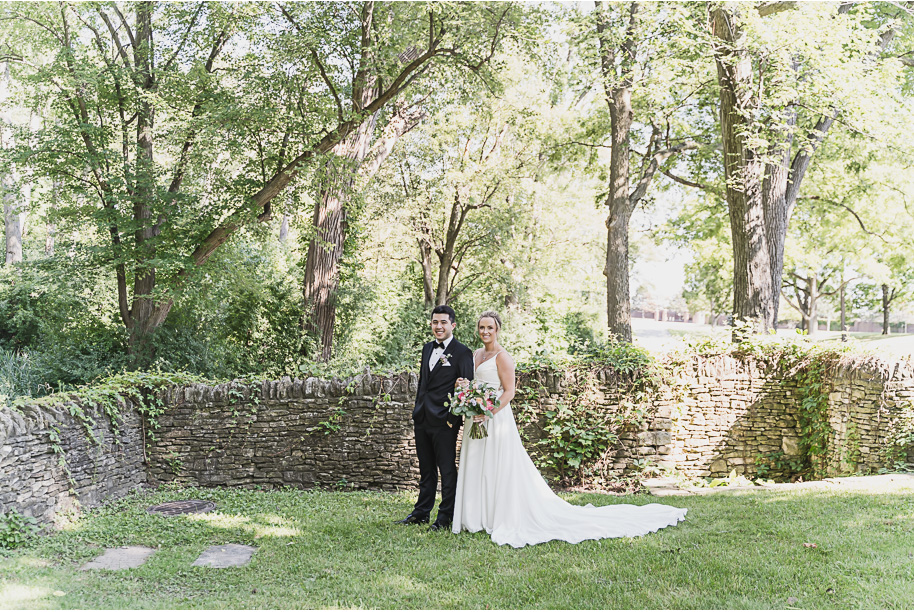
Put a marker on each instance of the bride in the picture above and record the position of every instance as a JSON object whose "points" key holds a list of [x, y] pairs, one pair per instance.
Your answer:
{"points": [[499, 490]]}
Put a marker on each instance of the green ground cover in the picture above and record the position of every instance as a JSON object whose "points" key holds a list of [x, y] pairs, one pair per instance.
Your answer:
{"points": [[323, 549]]}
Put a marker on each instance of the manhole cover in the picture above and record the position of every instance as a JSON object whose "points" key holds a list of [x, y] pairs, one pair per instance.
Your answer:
{"points": [[190, 506]]}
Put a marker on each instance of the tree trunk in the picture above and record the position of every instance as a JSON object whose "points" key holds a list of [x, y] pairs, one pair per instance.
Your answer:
{"points": [[886, 301], [428, 275], [812, 320], [754, 293], [442, 292], [762, 185], [446, 253], [326, 248], [284, 228], [841, 302], [9, 183], [146, 314], [618, 95], [26, 203], [618, 302], [13, 228], [51, 235]]}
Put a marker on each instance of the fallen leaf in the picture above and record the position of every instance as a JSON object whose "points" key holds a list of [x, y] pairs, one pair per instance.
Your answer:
{"points": [[58, 593], [792, 600], [809, 545], [829, 591]]}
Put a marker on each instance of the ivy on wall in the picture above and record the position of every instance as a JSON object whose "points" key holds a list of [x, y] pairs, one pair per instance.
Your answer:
{"points": [[107, 396], [576, 438]]}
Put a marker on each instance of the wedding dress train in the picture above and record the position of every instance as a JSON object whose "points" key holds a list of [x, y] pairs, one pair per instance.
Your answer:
{"points": [[499, 490]]}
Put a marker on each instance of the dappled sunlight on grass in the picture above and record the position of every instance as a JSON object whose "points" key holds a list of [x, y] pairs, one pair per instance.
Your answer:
{"points": [[33, 562], [12, 593], [270, 525], [322, 549]]}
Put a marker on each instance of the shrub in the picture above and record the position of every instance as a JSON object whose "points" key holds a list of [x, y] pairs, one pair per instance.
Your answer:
{"points": [[15, 529]]}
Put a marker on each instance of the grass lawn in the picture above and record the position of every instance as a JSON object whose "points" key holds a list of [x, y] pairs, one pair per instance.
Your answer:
{"points": [[327, 549]]}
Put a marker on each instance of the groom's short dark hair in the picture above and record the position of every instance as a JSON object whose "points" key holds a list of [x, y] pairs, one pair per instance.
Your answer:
{"points": [[443, 309]]}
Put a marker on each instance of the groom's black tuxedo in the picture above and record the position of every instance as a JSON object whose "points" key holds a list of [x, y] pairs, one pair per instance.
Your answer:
{"points": [[437, 429], [435, 384]]}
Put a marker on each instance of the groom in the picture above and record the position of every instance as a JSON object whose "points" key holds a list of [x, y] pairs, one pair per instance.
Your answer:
{"points": [[444, 360]]}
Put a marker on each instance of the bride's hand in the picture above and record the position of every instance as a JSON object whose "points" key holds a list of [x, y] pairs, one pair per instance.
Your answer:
{"points": [[480, 418]]}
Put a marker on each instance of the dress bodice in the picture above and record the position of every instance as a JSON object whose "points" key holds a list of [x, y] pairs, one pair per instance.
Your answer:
{"points": [[487, 372]]}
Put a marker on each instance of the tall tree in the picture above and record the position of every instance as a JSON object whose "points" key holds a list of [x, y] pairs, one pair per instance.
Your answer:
{"points": [[10, 188], [465, 176], [354, 155], [781, 91], [633, 43], [192, 118]]}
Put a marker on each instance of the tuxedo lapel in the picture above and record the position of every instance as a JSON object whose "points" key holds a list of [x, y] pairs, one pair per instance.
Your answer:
{"points": [[426, 353]]}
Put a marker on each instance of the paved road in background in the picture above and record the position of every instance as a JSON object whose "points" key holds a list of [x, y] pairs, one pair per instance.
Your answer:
{"points": [[656, 337]]}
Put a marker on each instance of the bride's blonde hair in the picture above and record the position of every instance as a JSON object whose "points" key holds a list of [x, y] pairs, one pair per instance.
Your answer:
{"points": [[491, 314]]}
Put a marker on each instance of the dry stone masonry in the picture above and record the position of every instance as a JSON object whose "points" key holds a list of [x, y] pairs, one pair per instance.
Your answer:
{"points": [[723, 413], [40, 481], [300, 433]]}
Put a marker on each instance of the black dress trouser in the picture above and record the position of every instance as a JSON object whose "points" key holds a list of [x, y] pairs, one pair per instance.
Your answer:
{"points": [[436, 447]]}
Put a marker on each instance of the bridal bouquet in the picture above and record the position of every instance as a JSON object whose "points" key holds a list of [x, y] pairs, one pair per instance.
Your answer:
{"points": [[477, 398]]}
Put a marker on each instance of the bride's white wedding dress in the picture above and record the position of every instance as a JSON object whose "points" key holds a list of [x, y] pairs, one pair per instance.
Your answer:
{"points": [[499, 490]]}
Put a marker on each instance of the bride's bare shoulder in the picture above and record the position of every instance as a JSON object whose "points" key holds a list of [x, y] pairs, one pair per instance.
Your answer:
{"points": [[504, 358]]}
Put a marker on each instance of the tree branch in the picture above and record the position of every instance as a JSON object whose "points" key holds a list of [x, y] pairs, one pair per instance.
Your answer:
{"points": [[117, 42], [688, 183], [401, 123], [770, 8], [41, 25], [329, 83], [126, 25], [193, 22], [650, 168], [181, 165], [320, 64], [851, 211]]}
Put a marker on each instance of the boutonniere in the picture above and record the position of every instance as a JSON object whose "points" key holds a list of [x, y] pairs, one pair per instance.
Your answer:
{"points": [[443, 360]]}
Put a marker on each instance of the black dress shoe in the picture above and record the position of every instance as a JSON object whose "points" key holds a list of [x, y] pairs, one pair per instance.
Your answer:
{"points": [[440, 526], [412, 519]]}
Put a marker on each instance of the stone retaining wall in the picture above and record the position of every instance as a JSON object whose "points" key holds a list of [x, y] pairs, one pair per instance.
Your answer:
{"points": [[724, 413], [727, 413], [36, 482], [301, 433]]}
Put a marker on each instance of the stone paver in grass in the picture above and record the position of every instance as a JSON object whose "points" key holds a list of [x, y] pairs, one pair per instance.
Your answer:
{"points": [[226, 555], [123, 557]]}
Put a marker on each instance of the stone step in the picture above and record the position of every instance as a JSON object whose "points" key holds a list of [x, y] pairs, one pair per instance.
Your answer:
{"points": [[121, 558], [127, 557], [225, 555]]}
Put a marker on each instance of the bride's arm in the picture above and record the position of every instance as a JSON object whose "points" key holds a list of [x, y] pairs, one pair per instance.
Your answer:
{"points": [[505, 365]]}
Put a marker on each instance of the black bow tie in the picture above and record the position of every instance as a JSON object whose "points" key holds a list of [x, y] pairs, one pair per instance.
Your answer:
{"points": [[438, 345]]}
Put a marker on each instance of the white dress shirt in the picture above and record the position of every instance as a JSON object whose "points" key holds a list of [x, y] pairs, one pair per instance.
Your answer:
{"points": [[438, 352]]}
